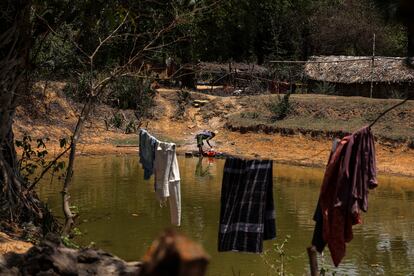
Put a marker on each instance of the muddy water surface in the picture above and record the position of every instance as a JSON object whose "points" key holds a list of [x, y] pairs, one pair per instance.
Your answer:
{"points": [[119, 213]]}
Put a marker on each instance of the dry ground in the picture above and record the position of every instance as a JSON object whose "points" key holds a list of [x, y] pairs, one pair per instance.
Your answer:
{"points": [[56, 117], [10, 244]]}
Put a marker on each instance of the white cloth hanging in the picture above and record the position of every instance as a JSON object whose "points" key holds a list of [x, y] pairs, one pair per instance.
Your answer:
{"points": [[167, 179]]}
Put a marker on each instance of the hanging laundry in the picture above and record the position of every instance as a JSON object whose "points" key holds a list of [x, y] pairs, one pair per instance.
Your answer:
{"points": [[317, 239], [159, 158], [350, 173], [247, 213], [147, 144], [167, 179]]}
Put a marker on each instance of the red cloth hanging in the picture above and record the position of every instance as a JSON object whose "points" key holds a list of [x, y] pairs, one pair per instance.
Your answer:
{"points": [[350, 173]]}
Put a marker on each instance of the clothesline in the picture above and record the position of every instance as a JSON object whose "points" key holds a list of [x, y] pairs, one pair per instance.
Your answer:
{"points": [[333, 61]]}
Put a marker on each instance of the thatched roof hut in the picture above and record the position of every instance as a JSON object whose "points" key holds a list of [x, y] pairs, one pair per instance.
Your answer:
{"points": [[353, 74]]}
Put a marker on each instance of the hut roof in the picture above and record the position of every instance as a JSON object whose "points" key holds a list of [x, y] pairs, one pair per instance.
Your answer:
{"points": [[358, 69]]}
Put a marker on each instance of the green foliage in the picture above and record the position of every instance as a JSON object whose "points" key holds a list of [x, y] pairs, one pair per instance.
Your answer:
{"points": [[277, 257], [79, 89], [130, 127], [75, 211], [56, 56], [124, 93], [233, 30], [34, 156], [131, 93], [279, 107], [360, 20], [117, 120], [67, 241]]}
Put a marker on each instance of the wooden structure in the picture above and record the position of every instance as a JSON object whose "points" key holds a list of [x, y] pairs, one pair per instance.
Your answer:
{"points": [[226, 73], [354, 75]]}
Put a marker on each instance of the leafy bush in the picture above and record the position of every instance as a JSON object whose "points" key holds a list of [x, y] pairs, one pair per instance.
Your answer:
{"points": [[117, 120], [279, 108], [131, 93], [124, 93], [56, 58], [78, 90], [130, 127]]}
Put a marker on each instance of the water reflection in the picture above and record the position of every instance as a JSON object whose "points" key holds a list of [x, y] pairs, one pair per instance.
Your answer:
{"points": [[120, 214], [200, 171]]}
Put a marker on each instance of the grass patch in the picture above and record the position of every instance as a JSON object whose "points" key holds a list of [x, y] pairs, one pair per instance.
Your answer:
{"points": [[327, 114], [123, 141]]}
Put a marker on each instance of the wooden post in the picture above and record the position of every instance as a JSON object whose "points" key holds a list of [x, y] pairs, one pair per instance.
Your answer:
{"points": [[313, 261], [372, 67]]}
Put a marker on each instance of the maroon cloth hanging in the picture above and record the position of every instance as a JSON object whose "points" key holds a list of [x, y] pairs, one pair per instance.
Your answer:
{"points": [[350, 173]]}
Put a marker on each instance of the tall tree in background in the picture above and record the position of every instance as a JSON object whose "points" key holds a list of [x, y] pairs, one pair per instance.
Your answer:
{"points": [[403, 11], [361, 20], [249, 30]]}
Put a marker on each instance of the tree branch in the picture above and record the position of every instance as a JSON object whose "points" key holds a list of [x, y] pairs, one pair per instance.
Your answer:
{"points": [[389, 109], [111, 35], [45, 170], [56, 34]]}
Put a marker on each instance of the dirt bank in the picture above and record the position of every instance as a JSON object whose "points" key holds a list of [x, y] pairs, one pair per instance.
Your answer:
{"points": [[57, 116], [9, 244]]}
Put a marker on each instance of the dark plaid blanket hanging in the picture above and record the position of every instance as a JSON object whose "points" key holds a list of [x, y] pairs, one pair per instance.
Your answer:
{"points": [[247, 214]]}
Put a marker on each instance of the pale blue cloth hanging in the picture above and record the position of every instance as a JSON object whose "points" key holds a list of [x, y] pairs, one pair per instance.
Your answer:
{"points": [[147, 145]]}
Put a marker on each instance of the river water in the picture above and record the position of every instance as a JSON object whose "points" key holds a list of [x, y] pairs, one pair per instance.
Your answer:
{"points": [[119, 213]]}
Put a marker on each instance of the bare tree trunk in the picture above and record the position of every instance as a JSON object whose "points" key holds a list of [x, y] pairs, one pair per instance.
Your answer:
{"points": [[69, 172]]}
